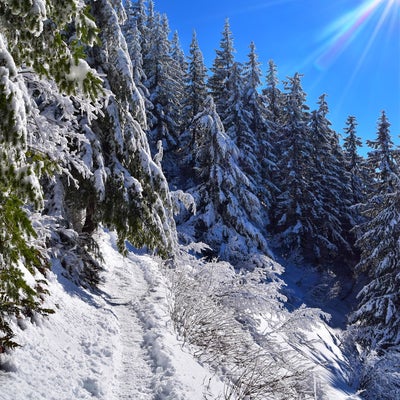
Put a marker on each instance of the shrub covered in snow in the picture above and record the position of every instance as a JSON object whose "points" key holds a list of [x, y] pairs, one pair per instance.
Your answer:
{"points": [[237, 323]]}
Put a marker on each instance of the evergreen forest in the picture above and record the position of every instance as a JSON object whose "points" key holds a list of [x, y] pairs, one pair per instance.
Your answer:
{"points": [[106, 123]]}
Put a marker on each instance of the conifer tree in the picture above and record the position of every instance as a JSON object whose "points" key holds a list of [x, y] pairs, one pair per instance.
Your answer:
{"points": [[179, 76], [239, 124], [35, 37], [32, 35], [329, 184], [274, 105], [272, 94], [260, 160], [18, 185], [137, 199], [138, 11], [295, 214], [165, 83], [133, 38], [228, 213], [252, 82], [377, 318], [221, 70], [352, 142], [236, 117], [177, 53], [354, 162], [244, 117], [381, 160], [195, 96], [196, 88]]}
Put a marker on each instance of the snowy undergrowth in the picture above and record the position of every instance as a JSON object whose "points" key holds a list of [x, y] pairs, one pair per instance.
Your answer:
{"points": [[130, 341], [238, 324]]}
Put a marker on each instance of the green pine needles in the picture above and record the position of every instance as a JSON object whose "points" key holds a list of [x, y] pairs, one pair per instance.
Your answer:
{"points": [[34, 35], [17, 297], [38, 33]]}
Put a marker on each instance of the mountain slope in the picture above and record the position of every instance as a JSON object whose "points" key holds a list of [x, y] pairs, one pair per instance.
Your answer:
{"points": [[120, 343]]}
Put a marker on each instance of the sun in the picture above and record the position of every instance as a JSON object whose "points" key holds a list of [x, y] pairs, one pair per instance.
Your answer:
{"points": [[362, 31], [385, 14]]}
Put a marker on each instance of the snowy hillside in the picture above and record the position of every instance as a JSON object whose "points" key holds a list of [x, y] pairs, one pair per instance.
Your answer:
{"points": [[120, 343]]}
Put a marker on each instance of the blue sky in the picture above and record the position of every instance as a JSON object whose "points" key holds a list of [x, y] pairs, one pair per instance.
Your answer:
{"points": [[348, 49]]}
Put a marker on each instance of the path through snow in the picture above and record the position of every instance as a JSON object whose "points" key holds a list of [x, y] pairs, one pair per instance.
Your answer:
{"points": [[124, 290], [118, 345]]}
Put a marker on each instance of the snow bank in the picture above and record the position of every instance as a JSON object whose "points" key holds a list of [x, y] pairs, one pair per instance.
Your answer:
{"points": [[68, 355]]}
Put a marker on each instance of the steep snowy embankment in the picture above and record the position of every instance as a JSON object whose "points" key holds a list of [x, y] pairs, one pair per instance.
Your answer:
{"points": [[113, 346]]}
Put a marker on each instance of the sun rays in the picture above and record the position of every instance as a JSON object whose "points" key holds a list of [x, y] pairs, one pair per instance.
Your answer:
{"points": [[366, 32], [378, 14]]}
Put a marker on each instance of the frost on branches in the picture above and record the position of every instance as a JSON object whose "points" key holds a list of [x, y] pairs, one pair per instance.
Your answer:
{"points": [[30, 36], [228, 213], [18, 184], [237, 323]]}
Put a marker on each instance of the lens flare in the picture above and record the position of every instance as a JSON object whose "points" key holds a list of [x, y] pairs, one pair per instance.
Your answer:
{"points": [[346, 29]]}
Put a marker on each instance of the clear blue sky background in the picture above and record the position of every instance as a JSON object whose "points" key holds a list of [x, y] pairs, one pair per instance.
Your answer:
{"points": [[348, 49]]}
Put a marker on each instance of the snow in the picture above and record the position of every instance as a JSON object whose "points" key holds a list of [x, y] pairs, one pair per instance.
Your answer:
{"points": [[114, 345], [13, 88], [79, 72], [119, 343]]}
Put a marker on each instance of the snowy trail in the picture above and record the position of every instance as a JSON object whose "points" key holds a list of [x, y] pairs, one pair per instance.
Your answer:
{"points": [[125, 287], [143, 370], [152, 364], [117, 345]]}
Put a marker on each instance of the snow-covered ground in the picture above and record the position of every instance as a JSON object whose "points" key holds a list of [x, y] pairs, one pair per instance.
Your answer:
{"points": [[120, 344], [113, 346]]}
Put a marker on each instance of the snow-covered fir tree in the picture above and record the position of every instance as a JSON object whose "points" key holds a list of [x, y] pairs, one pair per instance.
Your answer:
{"points": [[31, 37], [221, 71], [272, 94], [165, 83], [236, 122], [260, 159], [381, 161], [243, 119], [274, 104], [376, 321], [195, 96], [354, 162], [228, 213], [133, 37], [178, 56], [295, 214], [179, 77], [196, 88], [379, 239], [329, 182], [137, 199], [137, 10]]}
